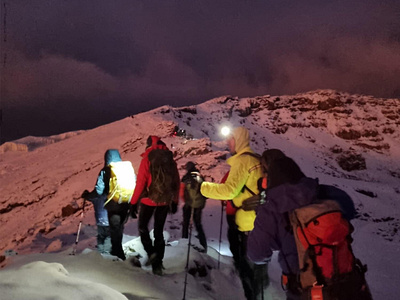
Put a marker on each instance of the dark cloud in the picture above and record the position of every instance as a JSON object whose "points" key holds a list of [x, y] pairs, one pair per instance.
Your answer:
{"points": [[86, 63]]}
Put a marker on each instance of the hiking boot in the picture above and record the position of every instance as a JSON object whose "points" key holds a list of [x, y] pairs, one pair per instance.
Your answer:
{"points": [[152, 258], [135, 262], [119, 255], [157, 269]]}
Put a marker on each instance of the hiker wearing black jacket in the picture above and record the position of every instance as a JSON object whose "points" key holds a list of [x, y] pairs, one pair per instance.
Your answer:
{"points": [[194, 206]]}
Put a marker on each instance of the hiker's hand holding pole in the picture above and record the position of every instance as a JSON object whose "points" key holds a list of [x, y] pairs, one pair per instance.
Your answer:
{"points": [[85, 194]]}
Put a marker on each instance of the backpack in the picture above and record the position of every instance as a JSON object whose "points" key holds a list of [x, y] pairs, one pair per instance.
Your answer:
{"points": [[122, 182], [192, 194], [323, 243], [164, 186]]}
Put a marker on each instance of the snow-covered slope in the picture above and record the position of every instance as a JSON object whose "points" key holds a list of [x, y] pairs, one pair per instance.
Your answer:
{"points": [[351, 141]]}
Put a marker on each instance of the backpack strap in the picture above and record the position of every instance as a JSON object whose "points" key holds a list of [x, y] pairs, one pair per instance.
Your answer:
{"points": [[255, 167]]}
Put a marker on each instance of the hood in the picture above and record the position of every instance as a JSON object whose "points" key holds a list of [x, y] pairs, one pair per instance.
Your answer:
{"points": [[287, 197], [111, 155], [153, 142], [242, 139]]}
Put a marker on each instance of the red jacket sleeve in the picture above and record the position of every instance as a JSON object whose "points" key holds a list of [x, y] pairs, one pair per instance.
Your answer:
{"points": [[182, 191], [142, 179]]}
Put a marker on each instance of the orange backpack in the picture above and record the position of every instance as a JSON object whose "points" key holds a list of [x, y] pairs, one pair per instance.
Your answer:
{"points": [[323, 243]]}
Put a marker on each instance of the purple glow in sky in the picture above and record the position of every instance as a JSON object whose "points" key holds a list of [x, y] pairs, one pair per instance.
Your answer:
{"points": [[69, 65]]}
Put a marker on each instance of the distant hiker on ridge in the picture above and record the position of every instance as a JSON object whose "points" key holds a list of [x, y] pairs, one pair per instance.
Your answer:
{"points": [[157, 189]]}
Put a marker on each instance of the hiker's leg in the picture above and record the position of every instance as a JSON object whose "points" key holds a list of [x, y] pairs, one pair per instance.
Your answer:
{"points": [[233, 238], [116, 235], [160, 215], [145, 214], [260, 279], [246, 271], [116, 214], [199, 228], [102, 234], [186, 219]]}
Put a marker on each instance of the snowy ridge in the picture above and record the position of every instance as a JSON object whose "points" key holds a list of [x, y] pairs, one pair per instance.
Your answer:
{"points": [[351, 141]]}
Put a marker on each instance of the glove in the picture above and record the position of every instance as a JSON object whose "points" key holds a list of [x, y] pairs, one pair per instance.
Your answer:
{"points": [[134, 211], [251, 203], [200, 179], [85, 194]]}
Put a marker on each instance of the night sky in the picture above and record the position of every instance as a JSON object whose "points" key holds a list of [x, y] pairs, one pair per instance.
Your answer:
{"points": [[69, 65]]}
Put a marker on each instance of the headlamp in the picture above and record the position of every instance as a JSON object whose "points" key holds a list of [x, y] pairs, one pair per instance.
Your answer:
{"points": [[225, 131]]}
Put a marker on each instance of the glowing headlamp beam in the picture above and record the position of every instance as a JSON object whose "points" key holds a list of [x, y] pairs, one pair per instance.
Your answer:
{"points": [[225, 131]]}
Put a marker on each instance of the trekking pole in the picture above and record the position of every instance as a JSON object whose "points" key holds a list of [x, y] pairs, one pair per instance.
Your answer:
{"points": [[79, 228], [220, 233], [187, 258]]}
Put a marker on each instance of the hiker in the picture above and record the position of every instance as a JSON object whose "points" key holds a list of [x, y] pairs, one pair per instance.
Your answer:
{"points": [[167, 199], [117, 212], [245, 170], [289, 189], [194, 203]]}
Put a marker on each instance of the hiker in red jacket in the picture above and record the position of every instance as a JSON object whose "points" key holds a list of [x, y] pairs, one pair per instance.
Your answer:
{"points": [[150, 207]]}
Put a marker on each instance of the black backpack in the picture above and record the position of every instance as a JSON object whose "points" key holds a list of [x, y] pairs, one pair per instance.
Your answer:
{"points": [[192, 194], [164, 186]]}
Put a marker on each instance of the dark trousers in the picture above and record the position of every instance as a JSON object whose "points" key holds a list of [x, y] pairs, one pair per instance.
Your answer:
{"points": [[187, 212], [233, 238], [254, 277], [117, 216], [160, 215]]}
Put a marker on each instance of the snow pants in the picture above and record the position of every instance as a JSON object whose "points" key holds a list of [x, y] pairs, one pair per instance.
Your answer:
{"points": [[117, 217], [197, 212], [160, 215], [254, 277]]}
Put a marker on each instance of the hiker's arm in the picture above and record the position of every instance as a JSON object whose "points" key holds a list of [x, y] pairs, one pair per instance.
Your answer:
{"points": [[141, 181], [98, 189], [100, 183], [230, 188], [260, 238]]}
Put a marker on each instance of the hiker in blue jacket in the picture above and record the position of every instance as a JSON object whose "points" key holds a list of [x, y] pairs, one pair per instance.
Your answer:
{"points": [[113, 213]]}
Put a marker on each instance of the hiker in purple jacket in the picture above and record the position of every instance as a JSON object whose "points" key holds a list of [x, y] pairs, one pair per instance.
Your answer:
{"points": [[288, 188]]}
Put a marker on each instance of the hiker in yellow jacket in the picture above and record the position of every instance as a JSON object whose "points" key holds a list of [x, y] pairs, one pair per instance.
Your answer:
{"points": [[241, 184]]}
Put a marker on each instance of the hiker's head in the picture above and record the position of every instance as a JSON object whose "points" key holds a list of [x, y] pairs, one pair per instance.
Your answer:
{"points": [[153, 140], [111, 155], [238, 140], [190, 166], [283, 170], [269, 156]]}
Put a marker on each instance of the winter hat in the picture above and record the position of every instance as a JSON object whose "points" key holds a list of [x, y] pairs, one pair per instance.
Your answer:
{"points": [[111, 155], [190, 166], [284, 171], [272, 154]]}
